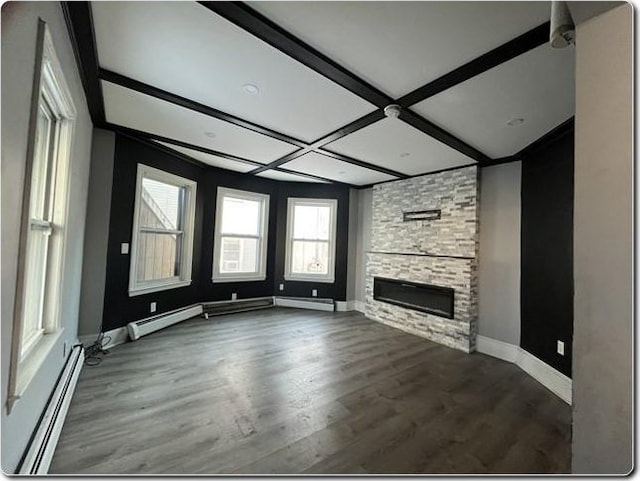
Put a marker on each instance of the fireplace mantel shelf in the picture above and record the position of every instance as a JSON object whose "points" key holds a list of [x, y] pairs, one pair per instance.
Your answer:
{"points": [[421, 254]]}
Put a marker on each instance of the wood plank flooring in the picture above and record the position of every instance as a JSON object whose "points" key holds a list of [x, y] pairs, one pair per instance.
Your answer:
{"points": [[287, 391]]}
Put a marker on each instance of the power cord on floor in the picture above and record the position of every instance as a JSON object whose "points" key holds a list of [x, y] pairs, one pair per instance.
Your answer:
{"points": [[93, 353]]}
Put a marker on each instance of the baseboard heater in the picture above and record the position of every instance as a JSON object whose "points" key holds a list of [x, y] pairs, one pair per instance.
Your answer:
{"points": [[217, 308], [140, 328], [314, 303], [37, 457]]}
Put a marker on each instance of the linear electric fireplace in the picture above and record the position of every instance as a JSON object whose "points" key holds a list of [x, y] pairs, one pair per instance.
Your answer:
{"points": [[435, 300]]}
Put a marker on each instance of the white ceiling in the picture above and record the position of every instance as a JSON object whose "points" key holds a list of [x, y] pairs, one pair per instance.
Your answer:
{"points": [[330, 168], [400, 46], [286, 176], [188, 50], [387, 142], [185, 49], [212, 160], [537, 86], [142, 112]]}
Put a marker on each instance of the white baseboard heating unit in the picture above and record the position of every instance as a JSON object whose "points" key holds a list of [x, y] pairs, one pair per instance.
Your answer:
{"points": [[37, 457], [237, 305], [140, 328]]}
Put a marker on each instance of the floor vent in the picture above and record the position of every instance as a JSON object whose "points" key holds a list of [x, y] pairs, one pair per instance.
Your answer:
{"points": [[238, 305], [140, 328], [37, 457]]}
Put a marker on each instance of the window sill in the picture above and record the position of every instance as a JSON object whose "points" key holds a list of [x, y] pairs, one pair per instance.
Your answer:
{"points": [[220, 280], [158, 287], [323, 280], [29, 367]]}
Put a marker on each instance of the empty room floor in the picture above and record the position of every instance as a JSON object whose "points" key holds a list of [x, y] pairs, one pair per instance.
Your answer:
{"points": [[307, 392]]}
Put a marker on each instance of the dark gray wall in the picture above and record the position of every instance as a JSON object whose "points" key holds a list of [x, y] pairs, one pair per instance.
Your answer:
{"points": [[603, 246], [94, 264], [19, 30], [499, 253]]}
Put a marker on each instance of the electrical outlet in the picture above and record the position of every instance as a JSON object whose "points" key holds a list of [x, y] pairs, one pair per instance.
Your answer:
{"points": [[282, 287], [124, 248], [314, 292], [234, 296], [152, 307], [561, 348]]}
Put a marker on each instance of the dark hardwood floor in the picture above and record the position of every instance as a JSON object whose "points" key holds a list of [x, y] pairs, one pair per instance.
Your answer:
{"points": [[307, 392]]}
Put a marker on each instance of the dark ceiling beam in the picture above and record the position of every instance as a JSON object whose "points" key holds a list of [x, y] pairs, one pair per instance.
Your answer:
{"points": [[316, 177], [147, 135], [505, 52], [360, 163], [155, 92], [79, 20], [260, 26], [442, 135], [350, 128], [281, 160]]}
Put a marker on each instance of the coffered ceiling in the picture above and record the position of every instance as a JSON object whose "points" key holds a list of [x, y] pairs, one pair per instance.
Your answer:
{"points": [[295, 91]]}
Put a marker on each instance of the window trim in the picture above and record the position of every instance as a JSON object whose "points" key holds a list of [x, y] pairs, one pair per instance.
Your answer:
{"points": [[261, 274], [49, 84], [137, 288], [328, 278]]}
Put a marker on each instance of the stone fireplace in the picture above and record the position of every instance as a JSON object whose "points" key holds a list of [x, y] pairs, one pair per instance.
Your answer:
{"points": [[424, 245]]}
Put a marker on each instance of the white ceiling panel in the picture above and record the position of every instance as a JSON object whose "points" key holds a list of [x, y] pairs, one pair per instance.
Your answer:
{"points": [[142, 112], [396, 145], [330, 168], [286, 176], [184, 48], [537, 87], [400, 46], [212, 160]]}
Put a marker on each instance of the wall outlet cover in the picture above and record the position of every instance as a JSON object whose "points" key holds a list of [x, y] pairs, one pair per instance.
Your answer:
{"points": [[282, 287], [561, 348], [124, 248], [152, 307], [314, 292], [234, 296]]}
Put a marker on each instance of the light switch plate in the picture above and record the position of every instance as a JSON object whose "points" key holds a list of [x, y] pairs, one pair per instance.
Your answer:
{"points": [[561, 348]]}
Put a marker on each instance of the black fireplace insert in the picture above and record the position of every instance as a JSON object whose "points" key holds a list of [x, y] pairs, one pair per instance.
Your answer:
{"points": [[436, 300]]}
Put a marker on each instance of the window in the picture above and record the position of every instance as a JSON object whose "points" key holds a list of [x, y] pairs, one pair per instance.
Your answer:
{"points": [[240, 247], [311, 234], [162, 243], [37, 323]]}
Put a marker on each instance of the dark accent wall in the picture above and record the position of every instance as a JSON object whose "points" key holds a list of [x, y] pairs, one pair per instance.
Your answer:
{"points": [[338, 289], [120, 308], [547, 253]]}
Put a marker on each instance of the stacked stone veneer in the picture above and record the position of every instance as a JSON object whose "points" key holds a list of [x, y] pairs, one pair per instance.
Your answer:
{"points": [[441, 252]]}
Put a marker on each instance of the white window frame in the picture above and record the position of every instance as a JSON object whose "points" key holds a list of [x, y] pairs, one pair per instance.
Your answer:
{"points": [[51, 89], [137, 287], [292, 202], [262, 237]]}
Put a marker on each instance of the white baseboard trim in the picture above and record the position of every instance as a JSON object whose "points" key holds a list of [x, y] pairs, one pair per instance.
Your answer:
{"points": [[118, 336], [37, 457], [495, 348], [359, 306], [549, 377], [303, 304], [345, 306]]}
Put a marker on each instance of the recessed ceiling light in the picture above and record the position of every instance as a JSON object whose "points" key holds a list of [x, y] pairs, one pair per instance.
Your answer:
{"points": [[405, 154], [209, 134], [514, 122], [251, 89]]}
